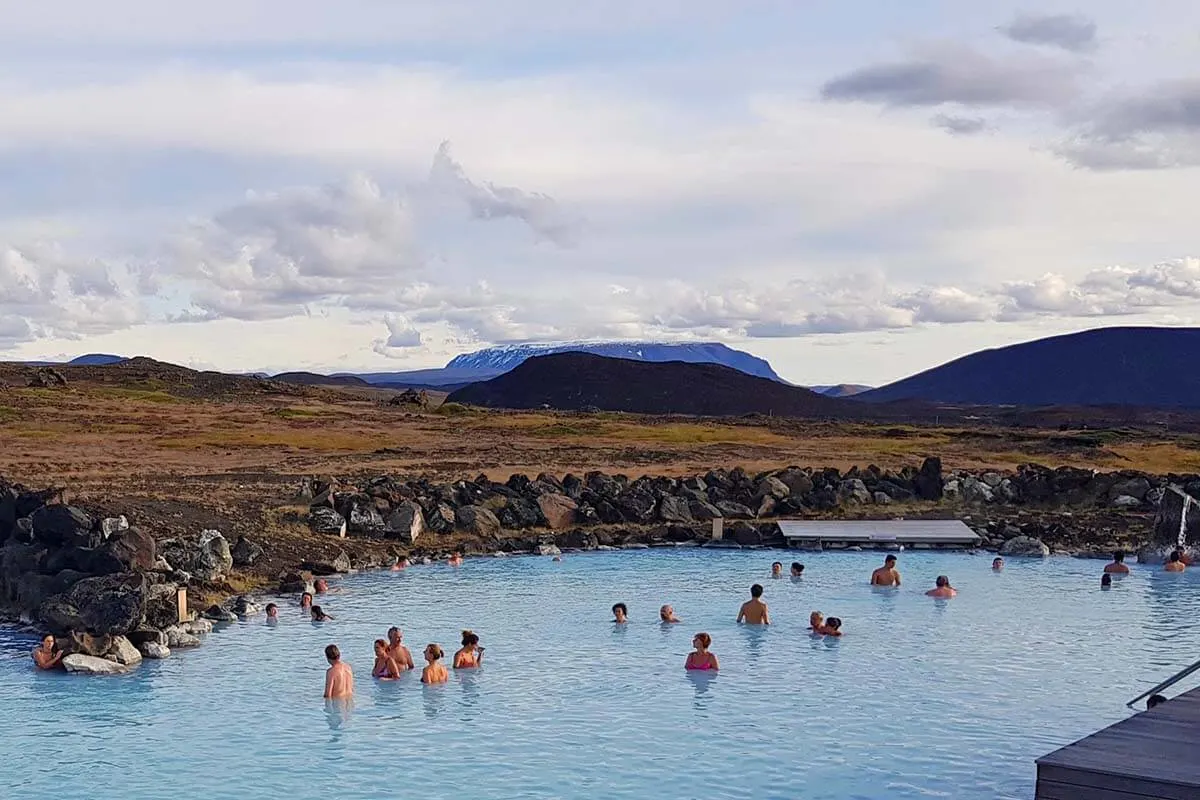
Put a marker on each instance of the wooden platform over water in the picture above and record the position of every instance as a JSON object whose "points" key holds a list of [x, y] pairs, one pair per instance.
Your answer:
{"points": [[878, 533], [1152, 754]]}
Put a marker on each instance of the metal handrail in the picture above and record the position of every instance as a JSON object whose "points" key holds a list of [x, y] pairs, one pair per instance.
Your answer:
{"points": [[1168, 683]]}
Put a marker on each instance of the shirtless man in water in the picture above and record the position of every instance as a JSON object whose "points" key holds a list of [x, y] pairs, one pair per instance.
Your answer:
{"points": [[754, 610], [339, 679], [396, 649], [887, 574], [1118, 566]]}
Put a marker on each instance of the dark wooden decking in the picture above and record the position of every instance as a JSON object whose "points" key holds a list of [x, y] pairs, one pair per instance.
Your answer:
{"points": [[1152, 754]]}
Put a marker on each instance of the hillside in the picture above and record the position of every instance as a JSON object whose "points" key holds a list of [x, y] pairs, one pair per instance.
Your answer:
{"points": [[313, 379], [576, 381], [1147, 367], [840, 389]]}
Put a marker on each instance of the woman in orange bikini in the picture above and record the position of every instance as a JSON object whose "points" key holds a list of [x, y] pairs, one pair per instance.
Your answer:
{"points": [[471, 654], [434, 672], [701, 659]]}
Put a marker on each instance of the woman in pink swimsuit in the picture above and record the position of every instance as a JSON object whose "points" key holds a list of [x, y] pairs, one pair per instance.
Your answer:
{"points": [[701, 659]]}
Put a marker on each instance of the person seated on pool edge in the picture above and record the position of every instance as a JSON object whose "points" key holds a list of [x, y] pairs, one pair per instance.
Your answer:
{"points": [[943, 589], [887, 574], [1155, 700], [471, 654], [434, 672], [701, 659], [339, 678], [816, 621], [777, 569], [620, 613], [1175, 562], [754, 610], [385, 667], [797, 569], [397, 650], [832, 627], [1118, 566], [666, 614], [997, 564], [318, 615], [46, 656]]}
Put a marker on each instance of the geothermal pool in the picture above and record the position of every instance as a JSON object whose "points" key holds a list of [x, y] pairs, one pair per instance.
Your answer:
{"points": [[920, 698]]}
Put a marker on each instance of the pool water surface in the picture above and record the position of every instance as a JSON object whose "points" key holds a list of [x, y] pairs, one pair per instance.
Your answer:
{"points": [[920, 698]]}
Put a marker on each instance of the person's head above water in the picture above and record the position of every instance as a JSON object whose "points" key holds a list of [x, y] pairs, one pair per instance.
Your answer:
{"points": [[469, 639], [816, 619], [702, 640], [1176, 556], [890, 561], [777, 567], [666, 612], [797, 568], [272, 610], [433, 652], [318, 614], [1119, 556], [833, 623], [306, 600], [321, 586], [332, 653], [1106, 579], [756, 590], [942, 581], [1155, 700], [48, 641], [997, 562], [380, 647], [620, 612], [394, 635]]}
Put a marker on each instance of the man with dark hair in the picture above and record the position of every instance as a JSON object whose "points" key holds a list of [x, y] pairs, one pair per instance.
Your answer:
{"points": [[620, 613], [1118, 566], [754, 610], [797, 569], [339, 679], [887, 574]]}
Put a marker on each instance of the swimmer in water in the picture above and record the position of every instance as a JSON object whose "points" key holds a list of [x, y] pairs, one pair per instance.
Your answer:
{"points": [[797, 569], [943, 588], [620, 613], [401, 563], [46, 656], [997, 564], [887, 574], [339, 678], [754, 610], [397, 650], [777, 569], [816, 622], [272, 612], [318, 615], [471, 654], [1106, 581], [435, 672], [667, 614], [701, 659], [1118, 566], [306, 601], [1175, 563], [385, 667], [833, 627], [455, 560]]}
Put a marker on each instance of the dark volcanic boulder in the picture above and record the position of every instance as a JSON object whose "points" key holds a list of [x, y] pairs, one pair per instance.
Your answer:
{"points": [[674, 509], [440, 518], [732, 510], [8, 511], [245, 552], [162, 605], [928, 481], [112, 604], [636, 507], [59, 615], [59, 525], [558, 510], [520, 513], [365, 521], [132, 548], [406, 523], [477, 520], [329, 566], [323, 519]]}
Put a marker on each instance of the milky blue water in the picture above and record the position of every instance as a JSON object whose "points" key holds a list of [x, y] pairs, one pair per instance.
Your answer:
{"points": [[920, 698]]}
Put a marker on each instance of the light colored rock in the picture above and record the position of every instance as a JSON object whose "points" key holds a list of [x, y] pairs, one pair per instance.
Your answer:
{"points": [[155, 650], [1008, 491], [322, 519], [113, 525], [992, 479], [882, 499], [197, 627], [976, 491], [80, 664], [558, 509], [123, 652], [1137, 488], [1025, 546], [1126, 501], [549, 550], [213, 557], [177, 637], [952, 489], [854, 491], [772, 487]]}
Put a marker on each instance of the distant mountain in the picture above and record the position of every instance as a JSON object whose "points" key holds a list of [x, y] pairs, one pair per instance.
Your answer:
{"points": [[1148, 367], [435, 378], [313, 379], [505, 357], [578, 381], [840, 389], [96, 360]]}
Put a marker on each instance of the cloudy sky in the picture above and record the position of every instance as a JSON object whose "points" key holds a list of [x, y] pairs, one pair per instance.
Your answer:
{"points": [[854, 190]]}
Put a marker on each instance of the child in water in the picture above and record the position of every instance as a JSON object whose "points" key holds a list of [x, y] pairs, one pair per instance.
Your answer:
{"points": [[435, 672]]}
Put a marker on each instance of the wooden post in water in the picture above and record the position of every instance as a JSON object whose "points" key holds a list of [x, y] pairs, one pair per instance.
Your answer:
{"points": [[718, 528], [181, 604]]}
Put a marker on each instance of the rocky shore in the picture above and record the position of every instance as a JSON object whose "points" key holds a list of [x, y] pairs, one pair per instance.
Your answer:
{"points": [[113, 592]]}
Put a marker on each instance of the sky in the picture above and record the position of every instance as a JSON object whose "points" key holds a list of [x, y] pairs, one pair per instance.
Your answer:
{"points": [[854, 190]]}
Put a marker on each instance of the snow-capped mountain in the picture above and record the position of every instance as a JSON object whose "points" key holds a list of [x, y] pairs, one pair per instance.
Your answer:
{"points": [[503, 358]]}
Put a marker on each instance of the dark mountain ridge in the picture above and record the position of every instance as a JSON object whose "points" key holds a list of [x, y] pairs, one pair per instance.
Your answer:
{"points": [[1127, 366]]}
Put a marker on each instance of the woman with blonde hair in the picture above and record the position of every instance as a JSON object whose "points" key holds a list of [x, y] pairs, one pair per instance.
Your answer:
{"points": [[471, 654], [434, 672]]}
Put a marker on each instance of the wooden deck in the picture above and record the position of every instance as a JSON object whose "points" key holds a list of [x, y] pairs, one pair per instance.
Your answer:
{"points": [[1152, 754], [878, 533]]}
